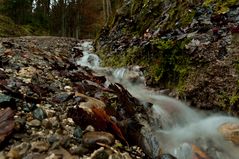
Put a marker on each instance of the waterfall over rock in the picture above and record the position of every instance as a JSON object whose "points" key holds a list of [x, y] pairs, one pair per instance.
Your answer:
{"points": [[174, 125]]}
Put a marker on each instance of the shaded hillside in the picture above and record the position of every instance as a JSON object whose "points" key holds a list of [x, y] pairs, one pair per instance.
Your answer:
{"points": [[186, 46], [9, 28]]}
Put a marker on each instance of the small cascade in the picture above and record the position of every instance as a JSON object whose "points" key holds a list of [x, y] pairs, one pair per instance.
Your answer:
{"points": [[88, 59], [175, 125]]}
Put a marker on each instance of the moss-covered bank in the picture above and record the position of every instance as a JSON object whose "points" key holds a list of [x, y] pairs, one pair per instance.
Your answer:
{"points": [[184, 45], [9, 28]]}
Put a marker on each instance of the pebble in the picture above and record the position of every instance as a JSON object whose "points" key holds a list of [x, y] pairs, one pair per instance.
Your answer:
{"points": [[61, 97], [53, 138], [39, 114], [68, 88], [46, 124], [90, 139], [13, 153], [78, 132], [6, 101], [34, 123], [89, 128], [54, 122], [39, 146], [50, 113]]}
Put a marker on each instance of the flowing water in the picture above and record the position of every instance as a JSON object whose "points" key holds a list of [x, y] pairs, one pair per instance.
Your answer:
{"points": [[176, 126]]}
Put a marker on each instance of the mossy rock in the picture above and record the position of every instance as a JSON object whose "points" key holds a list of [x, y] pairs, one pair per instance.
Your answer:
{"points": [[161, 30], [221, 6]]}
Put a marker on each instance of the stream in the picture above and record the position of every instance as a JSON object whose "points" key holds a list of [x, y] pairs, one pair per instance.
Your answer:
{"points": [[176, 127]]}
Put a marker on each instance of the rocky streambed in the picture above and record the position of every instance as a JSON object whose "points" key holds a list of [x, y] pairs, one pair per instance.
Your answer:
{"points": [[57, 102]]}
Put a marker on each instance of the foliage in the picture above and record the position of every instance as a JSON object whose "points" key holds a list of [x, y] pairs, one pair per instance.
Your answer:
{"points": [[18, 10], [73, 18], [9, 28]]}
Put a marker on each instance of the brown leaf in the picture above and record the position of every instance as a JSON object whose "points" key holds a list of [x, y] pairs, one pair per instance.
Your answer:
{"points": [[112, 126], [6, 123], [198, 153], [92, 113]]}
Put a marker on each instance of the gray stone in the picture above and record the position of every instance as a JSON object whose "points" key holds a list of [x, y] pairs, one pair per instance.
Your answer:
{"points": [[7, 101], [39, 114]]}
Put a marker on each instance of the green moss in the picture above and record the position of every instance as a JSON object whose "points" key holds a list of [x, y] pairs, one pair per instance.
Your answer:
{"points": [[165, 64], [163, 44], [234, 99], [170, 66], [228, 102], [221, 6], [109, 60], [165, 60], [180, 14]]}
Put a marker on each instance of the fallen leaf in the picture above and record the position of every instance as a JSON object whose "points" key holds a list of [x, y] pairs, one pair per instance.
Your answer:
{"points": [[112, 126], [198, 153], [6, 123]]}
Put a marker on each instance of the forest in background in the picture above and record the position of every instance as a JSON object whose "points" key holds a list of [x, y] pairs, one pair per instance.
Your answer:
{"points": [[71, 18]]}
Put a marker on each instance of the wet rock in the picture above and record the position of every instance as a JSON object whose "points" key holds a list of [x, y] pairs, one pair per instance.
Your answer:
{"points": [[167, 156], [39, 114], [7, 101], [90, 139], [39, 146], [230, 132]]}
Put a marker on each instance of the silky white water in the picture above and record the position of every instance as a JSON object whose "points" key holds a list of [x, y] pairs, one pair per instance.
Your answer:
{"points": [[176, 126]]}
